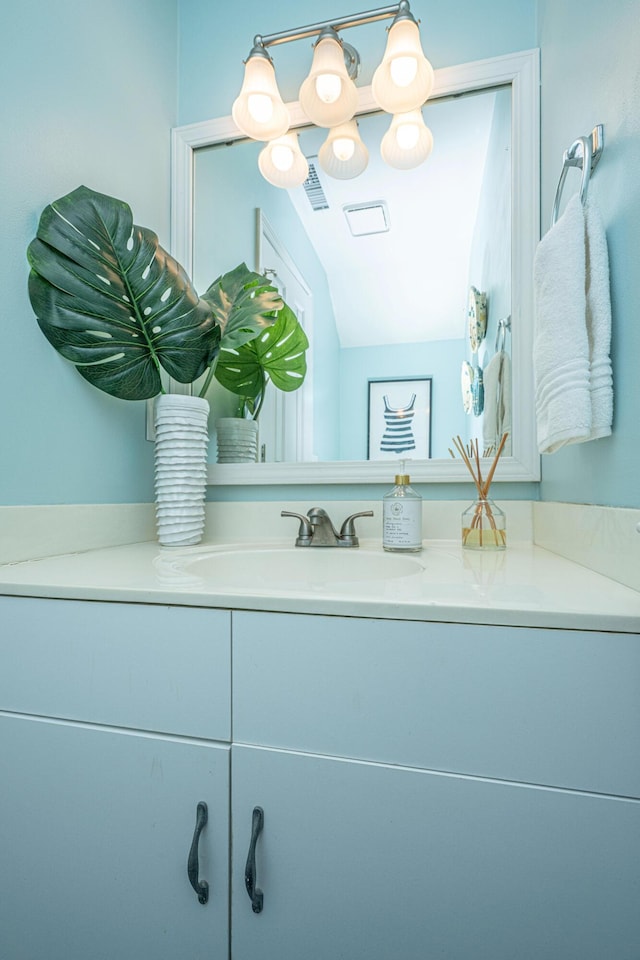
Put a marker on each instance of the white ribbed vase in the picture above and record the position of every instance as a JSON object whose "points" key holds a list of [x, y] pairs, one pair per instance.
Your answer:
{"points": [[182, 436]]}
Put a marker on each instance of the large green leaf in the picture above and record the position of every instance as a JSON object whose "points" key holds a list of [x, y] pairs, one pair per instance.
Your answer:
{"points": [[243, 303], [278, 353], [113, 302]]}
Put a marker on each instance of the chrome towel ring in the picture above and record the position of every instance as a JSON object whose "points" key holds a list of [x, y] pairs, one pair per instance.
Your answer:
{"points": [[585, 152]]}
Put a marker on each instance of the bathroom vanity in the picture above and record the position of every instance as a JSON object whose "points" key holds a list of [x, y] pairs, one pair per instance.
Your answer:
{"points": [[445, 785]]}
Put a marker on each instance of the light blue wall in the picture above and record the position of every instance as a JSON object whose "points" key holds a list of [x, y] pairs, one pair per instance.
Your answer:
{"points": [[88, 96], [591, 74], [215, 39]]}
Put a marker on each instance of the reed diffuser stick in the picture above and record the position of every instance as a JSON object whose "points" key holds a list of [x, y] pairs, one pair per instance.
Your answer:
{"points": [[492, 469]]}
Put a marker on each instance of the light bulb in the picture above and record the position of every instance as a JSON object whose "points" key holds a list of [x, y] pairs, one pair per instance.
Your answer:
{"points": [[407, 135], [258, 110], [282, 163], [407, 142], [260, 106], [403, 70], [282, 157], [344, 148], [328, 87], [343, 154], [404, 79], [328, 96]]}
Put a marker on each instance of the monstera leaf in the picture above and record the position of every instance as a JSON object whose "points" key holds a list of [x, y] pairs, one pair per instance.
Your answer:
{"points": [[243, 303], [113, 302], [278, 354]]}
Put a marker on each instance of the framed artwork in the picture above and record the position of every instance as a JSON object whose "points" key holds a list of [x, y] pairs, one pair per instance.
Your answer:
{"points": [[399, 421]]}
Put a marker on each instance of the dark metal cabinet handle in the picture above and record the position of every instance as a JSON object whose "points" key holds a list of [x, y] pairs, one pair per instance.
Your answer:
{"points": [[255, 895], [201, 887]]}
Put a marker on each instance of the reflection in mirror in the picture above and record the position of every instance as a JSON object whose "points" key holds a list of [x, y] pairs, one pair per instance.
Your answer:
{"points": [[379, 270], [388, 257]]}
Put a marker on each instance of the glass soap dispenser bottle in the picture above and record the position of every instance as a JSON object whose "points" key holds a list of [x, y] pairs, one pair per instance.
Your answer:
{"points": [[402, 517]]}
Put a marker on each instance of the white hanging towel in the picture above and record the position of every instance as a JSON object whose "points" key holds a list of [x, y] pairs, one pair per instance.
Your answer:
{"points": [[561, 346], [598, 324], [574, 398], [497, 402]]}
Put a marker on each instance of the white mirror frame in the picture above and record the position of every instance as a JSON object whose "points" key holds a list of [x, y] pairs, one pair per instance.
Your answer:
{"points": [[521, 70]]}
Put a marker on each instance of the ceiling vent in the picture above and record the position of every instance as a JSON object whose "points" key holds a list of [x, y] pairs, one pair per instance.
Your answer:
{"points": [[364, 219], [313, 188]]}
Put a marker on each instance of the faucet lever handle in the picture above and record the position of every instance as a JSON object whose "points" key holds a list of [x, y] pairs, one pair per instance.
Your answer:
{"points": [[348, 528], [305, 532]]}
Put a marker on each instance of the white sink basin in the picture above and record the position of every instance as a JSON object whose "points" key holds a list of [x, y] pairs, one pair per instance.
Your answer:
{"points": [[294, 568]]}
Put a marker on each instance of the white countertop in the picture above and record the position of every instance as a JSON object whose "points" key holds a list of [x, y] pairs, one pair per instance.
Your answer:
{"points": [[524, 585]]}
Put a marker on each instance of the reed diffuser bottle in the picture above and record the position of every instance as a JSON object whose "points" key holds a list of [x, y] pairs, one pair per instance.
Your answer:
{"points": [[484, 525]]}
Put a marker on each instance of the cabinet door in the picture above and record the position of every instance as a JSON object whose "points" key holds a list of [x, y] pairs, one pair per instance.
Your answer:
{"points": [[95, 831], [360, 860]]}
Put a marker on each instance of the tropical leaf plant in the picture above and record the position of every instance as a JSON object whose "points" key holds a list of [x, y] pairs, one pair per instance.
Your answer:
{"points": [[244, 303], [278, 355], [113, 302], [118, 306]]}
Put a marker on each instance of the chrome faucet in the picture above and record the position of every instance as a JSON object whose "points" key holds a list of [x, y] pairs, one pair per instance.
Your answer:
{"points": [[317, 530]]}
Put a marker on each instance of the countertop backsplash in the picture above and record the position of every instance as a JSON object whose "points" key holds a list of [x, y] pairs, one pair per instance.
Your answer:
{"points": [[603, 539]]}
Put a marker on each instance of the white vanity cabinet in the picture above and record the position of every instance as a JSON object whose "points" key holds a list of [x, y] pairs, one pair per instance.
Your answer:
{"points": [[435, 790], [114, 726], [427, 789]]}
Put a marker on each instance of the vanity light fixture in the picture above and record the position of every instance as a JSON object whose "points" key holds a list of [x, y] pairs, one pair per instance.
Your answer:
{"points": [[329, 98]]}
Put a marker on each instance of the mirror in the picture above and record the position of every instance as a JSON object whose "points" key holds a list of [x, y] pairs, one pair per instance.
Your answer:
{"points": [[485, 118]]}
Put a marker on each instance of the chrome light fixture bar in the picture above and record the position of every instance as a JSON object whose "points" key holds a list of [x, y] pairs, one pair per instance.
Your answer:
{"points": [[328, 96]]}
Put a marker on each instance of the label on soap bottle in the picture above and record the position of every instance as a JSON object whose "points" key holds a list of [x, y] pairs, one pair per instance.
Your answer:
{"points": [[402, 523]]}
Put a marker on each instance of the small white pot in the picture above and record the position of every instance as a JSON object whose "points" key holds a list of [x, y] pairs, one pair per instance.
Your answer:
{"points": [[237, 440], [182, 435]]}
